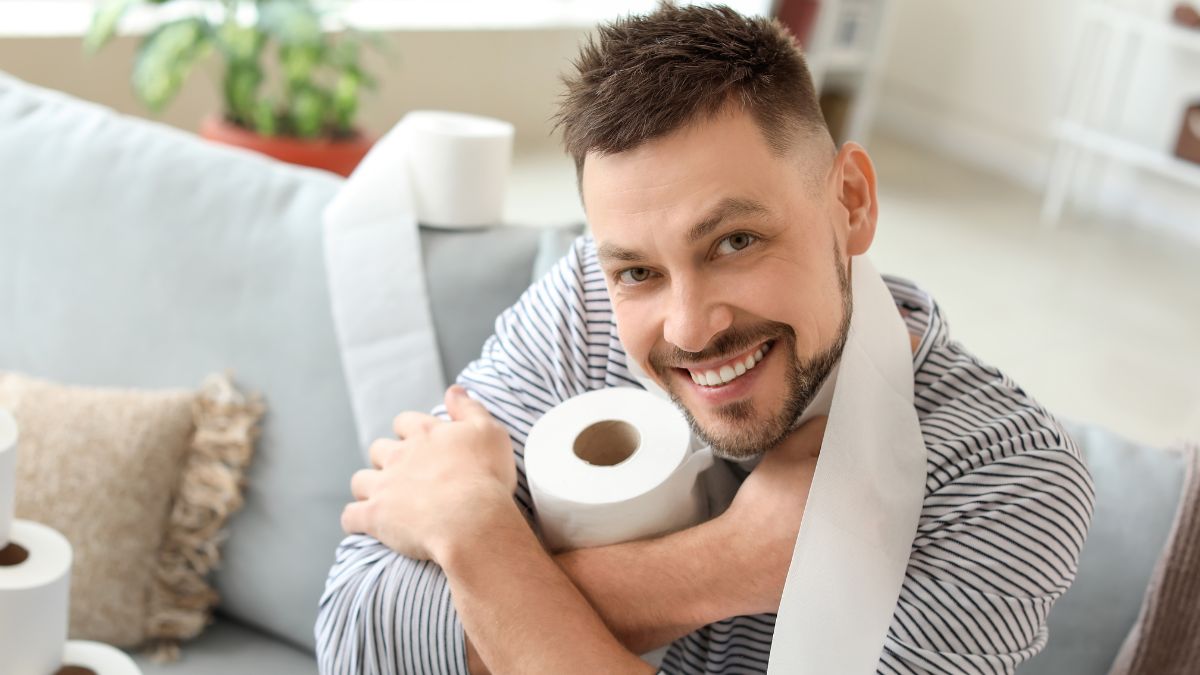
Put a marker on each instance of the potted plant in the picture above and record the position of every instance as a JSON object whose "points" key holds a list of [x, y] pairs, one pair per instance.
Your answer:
{"points": [[304, 115]]}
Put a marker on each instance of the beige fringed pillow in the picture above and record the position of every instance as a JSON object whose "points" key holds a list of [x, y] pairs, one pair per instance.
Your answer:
{"points": [[141, 482]]}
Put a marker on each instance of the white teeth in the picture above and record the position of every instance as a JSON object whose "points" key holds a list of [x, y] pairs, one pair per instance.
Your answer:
{"points": [[727, 373]]}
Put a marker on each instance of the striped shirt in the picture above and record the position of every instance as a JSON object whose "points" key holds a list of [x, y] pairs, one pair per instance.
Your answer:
{"points": [[1007, 505]]}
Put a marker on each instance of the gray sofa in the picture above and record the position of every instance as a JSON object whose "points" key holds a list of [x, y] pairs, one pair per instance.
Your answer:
{"points": [[136, 255]]}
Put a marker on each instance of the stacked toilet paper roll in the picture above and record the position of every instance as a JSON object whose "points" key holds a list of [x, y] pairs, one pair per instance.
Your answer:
{"points": [[35, 588], [614, 465], [82, 657], [458, 165], [35, 575], [8, 473]]}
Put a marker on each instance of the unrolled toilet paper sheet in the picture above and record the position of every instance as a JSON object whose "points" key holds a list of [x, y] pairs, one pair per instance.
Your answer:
{"points": [[443, 169]]}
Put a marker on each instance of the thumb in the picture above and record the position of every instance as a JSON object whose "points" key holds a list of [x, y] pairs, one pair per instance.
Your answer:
{"points": [[460, 406]]}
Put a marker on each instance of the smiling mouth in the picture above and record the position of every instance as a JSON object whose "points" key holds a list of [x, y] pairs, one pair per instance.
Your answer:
{"points": [[723, 373]]}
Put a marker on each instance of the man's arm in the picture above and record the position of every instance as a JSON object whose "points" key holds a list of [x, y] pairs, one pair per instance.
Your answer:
{"points": [[522, 613], [443, 492], [384, 613], [732, 565], [994, 550]]}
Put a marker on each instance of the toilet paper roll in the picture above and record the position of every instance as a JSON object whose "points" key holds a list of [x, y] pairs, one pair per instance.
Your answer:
{"points": [[458, 165], [98, 657], [614, 465], [8, 473], [35, 579]]}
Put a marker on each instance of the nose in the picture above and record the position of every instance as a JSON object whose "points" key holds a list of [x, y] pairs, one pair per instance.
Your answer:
{"points": [[694, 316]]}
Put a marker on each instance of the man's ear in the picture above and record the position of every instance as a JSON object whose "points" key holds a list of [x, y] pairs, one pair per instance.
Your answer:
{"points": [[856, 192]]}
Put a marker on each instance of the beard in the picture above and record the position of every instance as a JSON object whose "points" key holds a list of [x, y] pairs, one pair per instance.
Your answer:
{"points": [[743, 432]]}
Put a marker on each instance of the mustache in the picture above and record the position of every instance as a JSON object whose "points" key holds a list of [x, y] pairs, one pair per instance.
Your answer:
{"points": [[731, 341]]}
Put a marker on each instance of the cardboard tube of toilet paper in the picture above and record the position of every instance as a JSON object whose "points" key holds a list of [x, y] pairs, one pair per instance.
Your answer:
{"points": [[34, 595], [614, 465], [98, 657], [8, 473], [458, 167]]}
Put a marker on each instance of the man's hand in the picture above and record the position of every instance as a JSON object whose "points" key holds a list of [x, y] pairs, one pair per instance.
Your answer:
{"points": [[443, 492], [430, 486], [768, 508]]}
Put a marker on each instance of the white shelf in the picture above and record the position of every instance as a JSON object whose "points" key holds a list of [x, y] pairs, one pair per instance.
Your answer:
{"points": [[848, 61], [1164, 30], [1130, 152], [1097, 86]]}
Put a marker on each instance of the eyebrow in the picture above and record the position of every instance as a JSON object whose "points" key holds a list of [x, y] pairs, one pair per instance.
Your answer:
{"points": [[727, 208]]}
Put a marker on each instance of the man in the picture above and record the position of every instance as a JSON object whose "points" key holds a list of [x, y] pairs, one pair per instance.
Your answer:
{"points": [[724, 226]]}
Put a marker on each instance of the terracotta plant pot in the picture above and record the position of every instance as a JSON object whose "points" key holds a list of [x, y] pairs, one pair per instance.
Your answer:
{"points": [[339, 156]]}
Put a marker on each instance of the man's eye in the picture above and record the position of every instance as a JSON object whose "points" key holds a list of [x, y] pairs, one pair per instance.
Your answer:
{"points": [[735, 242], [634, 275]]}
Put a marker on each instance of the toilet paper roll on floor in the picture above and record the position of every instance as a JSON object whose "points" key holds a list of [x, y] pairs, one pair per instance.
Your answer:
{"points": [[8, 472], [98, 657], [35, 585], [614, 465]]}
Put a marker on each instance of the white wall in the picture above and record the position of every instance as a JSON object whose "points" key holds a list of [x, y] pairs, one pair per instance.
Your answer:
{"points": [[983, 81], [511, 74]]}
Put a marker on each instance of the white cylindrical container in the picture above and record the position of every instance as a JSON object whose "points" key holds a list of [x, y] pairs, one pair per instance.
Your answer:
{"points": [[8, 473], [98, 657], [614, 465], [35, 586], [458, 167]]}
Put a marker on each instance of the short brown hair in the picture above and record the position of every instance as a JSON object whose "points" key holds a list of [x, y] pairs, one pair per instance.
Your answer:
{"points": [[640, 78]]}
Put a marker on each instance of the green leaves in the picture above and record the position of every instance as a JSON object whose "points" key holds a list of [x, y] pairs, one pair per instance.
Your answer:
{"points": [[290, 22], [307, 111], [166, 57], [242, 79], [239, 43], [104, 23], [317, 83]]}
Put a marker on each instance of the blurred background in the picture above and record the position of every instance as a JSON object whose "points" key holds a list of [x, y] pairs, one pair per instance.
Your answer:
{"points": [[1039, 162]]}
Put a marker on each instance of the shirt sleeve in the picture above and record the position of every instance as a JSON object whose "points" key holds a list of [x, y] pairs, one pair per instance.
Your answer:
{"points": [[382, 613], [998, 543]]}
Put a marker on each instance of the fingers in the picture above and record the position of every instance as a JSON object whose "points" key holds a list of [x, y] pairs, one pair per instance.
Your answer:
{"points": [[355, 518], [363, 482], [463, 407], [381, 451], [411, 423]]}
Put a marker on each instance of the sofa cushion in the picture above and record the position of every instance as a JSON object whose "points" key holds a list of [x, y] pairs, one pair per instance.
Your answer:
{"points": [[136, 255], [230, 648], [132, 254], [1137, 492], [472, 276], [131, 446]]}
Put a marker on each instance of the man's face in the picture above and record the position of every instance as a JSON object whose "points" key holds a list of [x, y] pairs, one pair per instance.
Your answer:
{"points": [[726, 265]]}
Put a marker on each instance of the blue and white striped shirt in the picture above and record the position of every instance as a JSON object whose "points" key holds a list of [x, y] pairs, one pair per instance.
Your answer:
{"points": [[1007, 505]]}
